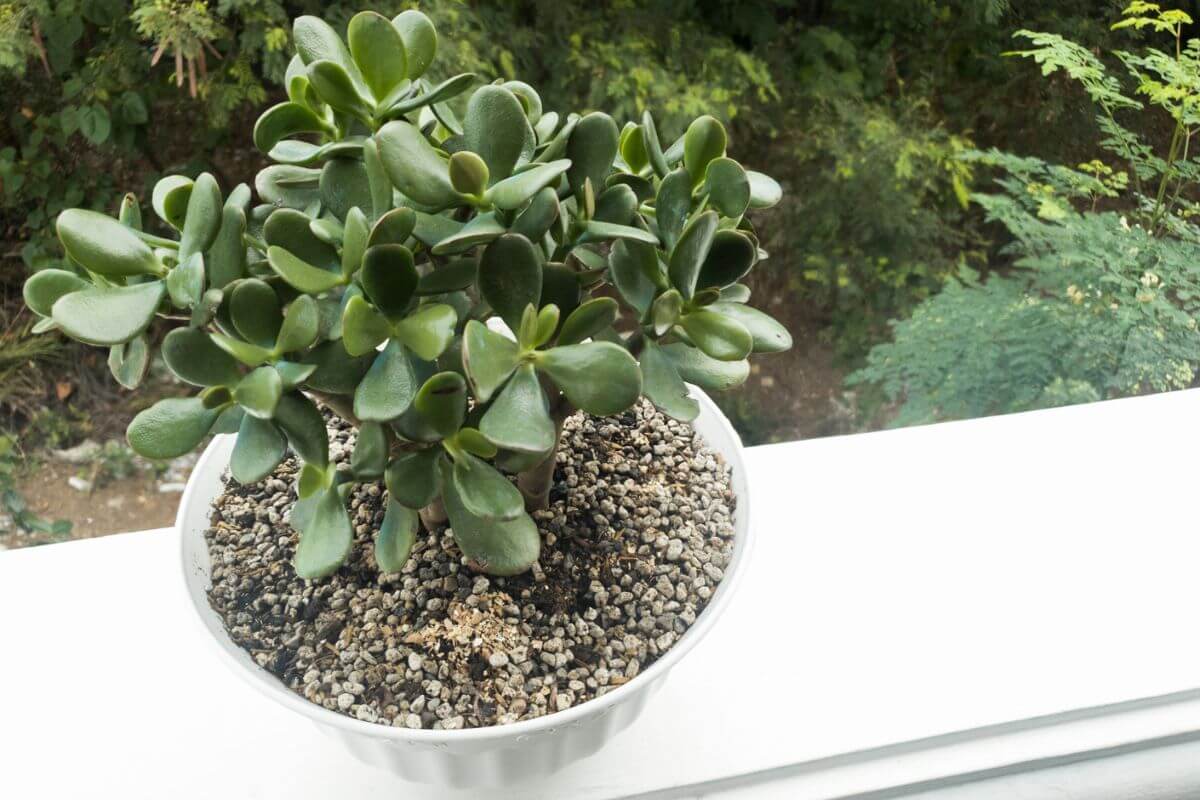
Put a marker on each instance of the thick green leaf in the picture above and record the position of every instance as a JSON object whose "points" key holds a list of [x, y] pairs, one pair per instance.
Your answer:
{"points": [[737, 293], [434, 97], [388, 388], [442, 400], [633, 147], [653, 147], [170, 427], [396, 537], [185, 282], [488, 357], [767, 334], [428, 331], [363, 328], [394, 227], [286, 186], [764, 191], [337, 372], [259, 448], [344, 185], [718, 335], [616, 204], [255, 311], [673, 206], [480, 230], [291, 230], [601, 378], [468, 173], [728, 187], [512, 192], [129, 362], [300, 274], [519, 419], [560, 287], [484, 491], [170, 199], [304, 426], [413, 478], [337, 88], [420, 40], [589, 319], [592, 149], [293, 373], [203, 219], [259, 392], [300, 327], [498, 548], [457, 274], [431, 229], [689, 253], [103, 245], [226, 258], [389, 278], [283, 120], [630, 265], [536, 219], [707, 373], [663, 386], [704, 141], [510, 277], [495, 127], [315, 40], [354, 241], [547, 324], [378, 50], [108, 315], [414, 165], [597, 231], [249, 354], [326, 538], [370, 455], [730, 256], [44, 288], [665, 311], [193, 357]]}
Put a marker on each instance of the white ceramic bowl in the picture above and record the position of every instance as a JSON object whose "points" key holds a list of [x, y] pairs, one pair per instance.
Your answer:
{"points": [[480, 756]]}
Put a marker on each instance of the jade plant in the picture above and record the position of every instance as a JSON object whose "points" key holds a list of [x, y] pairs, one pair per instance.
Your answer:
{"points": [[453, 272]]}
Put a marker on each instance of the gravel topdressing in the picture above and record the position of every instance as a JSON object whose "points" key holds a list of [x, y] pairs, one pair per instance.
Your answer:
{"points": [[636, 539]]}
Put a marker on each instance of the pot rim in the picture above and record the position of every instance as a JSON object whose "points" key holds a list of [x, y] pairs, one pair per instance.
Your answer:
{"points": [[548, 722]]}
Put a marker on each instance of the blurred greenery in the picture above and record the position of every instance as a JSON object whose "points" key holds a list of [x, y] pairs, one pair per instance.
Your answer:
{"points": [[868, 111]]}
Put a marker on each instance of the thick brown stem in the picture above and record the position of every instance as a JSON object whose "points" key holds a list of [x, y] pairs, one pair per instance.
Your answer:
{"points": [[433, 514], [535, 483]]}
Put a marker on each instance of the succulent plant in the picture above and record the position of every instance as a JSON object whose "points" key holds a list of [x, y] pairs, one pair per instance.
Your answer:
{"points": [[455, 278]]}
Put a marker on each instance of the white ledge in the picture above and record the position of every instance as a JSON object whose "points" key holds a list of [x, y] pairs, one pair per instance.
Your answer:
{"points": [[972, 609]]}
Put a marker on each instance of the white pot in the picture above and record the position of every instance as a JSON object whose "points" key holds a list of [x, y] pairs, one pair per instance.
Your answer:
{"points": [[480, 756]]}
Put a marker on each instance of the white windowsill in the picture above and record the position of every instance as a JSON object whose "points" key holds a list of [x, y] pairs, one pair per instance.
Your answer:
{"points": [[977, 609]]}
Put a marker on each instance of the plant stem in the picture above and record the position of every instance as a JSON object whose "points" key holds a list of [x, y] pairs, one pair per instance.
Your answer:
{"points": [[1172, 153], [535, 483]]}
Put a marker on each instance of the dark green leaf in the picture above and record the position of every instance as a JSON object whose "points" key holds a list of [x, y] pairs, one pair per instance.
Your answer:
{"points": [[489, 359], [378, 50], [344, 185], [192, 355], [442, 400], [300, 274], [389, 278], [394, 227], [536, 219], [512, 192], [389, 386], [170, 427], [108, 315], [663, 386], [498, 548], [420, 40], [283, 120], [203, 219], [413, 478], [259, 392], [300, 326], [363, 328], [304, 426], [599, 377], [730, 256], [495, 127], [129, 362], [326, 538], [767, 334], [519, 419], [259, 449], [592, 149], [728, 187], [370, 455], [719, 336], [480, 230], [457, 274], [673, 206], [510, 277], [170, 199], [630, 265], [704, 141], [588, 320], [484, 491], [103, 245], [414, 165], [689, 253], [396, 536], [337, 372], [254, 309]]}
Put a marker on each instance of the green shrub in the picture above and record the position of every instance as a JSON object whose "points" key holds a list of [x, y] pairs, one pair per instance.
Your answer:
{"points": [[1099, 303]]}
